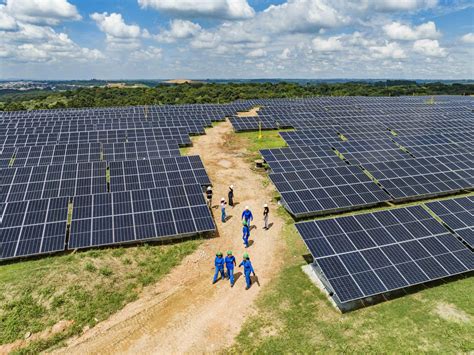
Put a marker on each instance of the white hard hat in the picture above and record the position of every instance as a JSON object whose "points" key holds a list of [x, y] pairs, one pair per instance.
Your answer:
{"points": [[222, 199], [246, 207], [231, 186], [265, 205], [208, 187]]}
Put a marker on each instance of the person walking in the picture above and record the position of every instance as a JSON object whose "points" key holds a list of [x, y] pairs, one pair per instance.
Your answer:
{"points": [[230, 195], [245, 233], [248, 269], [247, 215], [219, 264], [209, 196], [266, 211], [223, 216], [230, 263]]}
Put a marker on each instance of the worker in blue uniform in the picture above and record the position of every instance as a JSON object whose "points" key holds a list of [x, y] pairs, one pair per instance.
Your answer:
{"points": [[245, 233], [247, 215], [219, 264], [230, 263], [248, 269]]}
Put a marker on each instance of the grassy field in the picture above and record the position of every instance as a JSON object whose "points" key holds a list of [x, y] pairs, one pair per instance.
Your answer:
{"points": [[293, 315], [84, 287]]}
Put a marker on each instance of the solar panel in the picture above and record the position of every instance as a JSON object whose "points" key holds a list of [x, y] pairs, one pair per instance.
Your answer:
{"points": [[139, 215], [457, 214], [322, 191], [301, 158], [370, 151], [33, 227], [369, 254], [416, 178]]}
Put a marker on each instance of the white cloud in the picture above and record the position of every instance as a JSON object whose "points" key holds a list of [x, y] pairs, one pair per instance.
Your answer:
{"points": [[7, 22], [179, 29], [224, 9], [286, 54], [149, 53], [399, 31], [257, 53], [114, 26], [468, 38], [429, 48], [331, 44], [50, 12], [302, 16], [403, 5], [390, 50], [32, 43]]}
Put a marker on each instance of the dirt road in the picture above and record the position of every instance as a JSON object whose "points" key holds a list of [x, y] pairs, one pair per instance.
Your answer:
{"points": [[184, 312]]}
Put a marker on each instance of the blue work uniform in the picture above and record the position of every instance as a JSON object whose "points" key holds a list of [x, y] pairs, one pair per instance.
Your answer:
{"points": [[246, 235], [247, 270], [247, 216], [223, 216], [219, 264], [229, 263]]}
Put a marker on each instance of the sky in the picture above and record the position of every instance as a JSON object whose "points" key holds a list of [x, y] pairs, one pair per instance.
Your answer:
{"points": [[238, 39]]}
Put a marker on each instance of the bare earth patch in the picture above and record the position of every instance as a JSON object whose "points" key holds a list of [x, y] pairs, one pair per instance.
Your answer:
{"points": [[59, 327], [184, 312], [449, 312]]}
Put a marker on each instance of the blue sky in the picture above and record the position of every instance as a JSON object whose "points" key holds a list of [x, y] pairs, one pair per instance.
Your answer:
{"points": [[152, 39]]}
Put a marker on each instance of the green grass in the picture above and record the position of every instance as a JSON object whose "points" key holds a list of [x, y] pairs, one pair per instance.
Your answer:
{"points": [[84, 287], [270, 139], [294, 316]]}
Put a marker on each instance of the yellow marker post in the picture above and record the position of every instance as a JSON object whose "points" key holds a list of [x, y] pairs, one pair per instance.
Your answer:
{"points": [[259, 129]]}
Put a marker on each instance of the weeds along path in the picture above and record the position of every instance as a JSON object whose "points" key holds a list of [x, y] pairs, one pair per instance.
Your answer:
{"points": [[184, 312]]}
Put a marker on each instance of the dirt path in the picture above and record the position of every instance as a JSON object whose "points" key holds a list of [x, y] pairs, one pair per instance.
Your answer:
{"points": [[184, 312]]}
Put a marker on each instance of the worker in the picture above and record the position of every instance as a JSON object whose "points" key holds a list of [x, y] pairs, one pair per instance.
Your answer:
{"points": [[230, 195], [247, 270], [245, 233], [247, 215], [223, 216], [209, 196], [219, 264], [230, 263], [266, 211]]}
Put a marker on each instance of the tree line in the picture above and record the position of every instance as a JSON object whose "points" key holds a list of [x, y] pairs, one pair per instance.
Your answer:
{"points": [[199, 93]]}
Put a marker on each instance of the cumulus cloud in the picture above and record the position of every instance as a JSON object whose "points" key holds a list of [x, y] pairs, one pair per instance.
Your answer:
{"points": [[302, 16], [399, 31], [50, 12], [179, 29], [285, 54], [390, 50], [114, 26], [257, 53], [7, 22], [403, 5], [32, 43], [331, 44], [429, 48], [468, 38], [223, 9], [149, 53]]}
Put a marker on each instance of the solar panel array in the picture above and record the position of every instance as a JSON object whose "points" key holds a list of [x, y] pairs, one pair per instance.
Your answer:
{"points": [[458, 215], [369, 254], [392, 149], [118, 170], [411, 150]]}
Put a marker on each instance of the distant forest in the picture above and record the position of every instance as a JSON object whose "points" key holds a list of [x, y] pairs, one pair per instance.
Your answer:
{"points": [[217, 93]]}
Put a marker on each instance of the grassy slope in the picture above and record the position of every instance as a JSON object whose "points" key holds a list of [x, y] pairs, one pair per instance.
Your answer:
{"points": [[85, 287], [294, 315]]}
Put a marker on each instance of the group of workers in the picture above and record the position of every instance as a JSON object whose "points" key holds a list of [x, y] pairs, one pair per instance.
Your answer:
{"points": [[223, 264], [229, 263]]}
